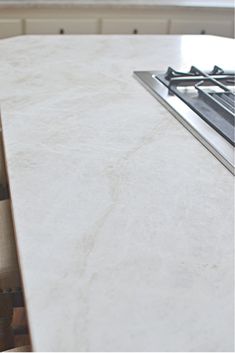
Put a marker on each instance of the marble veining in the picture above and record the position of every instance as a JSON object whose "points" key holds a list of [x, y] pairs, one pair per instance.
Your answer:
{"points": [[124, 221]]}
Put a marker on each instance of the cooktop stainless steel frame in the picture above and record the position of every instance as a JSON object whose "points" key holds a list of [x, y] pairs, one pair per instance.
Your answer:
{"points": [[212, 140]]}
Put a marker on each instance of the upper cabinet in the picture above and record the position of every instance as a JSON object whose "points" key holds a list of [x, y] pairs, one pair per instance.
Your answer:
{"points": [[115, 20], [221, 28], [61, 26], [134, 26], [10, 28]]}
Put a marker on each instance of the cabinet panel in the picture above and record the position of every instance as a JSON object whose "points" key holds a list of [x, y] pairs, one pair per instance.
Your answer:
{"points": [[134, 26], [61, 26], [10, 28], [222, 28]]}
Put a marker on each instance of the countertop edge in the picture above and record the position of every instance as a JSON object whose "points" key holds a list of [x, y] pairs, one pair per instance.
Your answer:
{"points": [[74, 4]]}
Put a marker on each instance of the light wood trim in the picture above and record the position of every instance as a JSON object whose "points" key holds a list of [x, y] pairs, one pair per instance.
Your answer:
{"points": [[20, 349]]}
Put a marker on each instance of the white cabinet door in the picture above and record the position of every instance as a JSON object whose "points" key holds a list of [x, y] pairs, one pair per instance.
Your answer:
{"points": [[10, 28], [222, 28], [134, 26], [61, 26]]}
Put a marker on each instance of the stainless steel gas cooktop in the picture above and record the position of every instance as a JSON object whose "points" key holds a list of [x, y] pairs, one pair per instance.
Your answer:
{"points": [[204, 102]]}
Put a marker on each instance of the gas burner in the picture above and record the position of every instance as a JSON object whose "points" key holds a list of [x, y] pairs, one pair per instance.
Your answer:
{"points": [[171, 73], [202, 101]]}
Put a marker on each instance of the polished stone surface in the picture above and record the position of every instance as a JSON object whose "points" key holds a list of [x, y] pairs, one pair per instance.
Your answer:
{"points": [[124, 221], [116, 3]]}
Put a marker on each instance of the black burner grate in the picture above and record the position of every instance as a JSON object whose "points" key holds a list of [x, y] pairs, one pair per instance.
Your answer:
{"points": [[211, 95], [226, 99]]}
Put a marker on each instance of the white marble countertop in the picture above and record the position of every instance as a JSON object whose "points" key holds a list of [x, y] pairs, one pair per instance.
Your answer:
{"points": [[124, 221], [116, 3]]}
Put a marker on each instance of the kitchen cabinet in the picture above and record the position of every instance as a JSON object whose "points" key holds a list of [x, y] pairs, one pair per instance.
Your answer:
{"points": [[10, 27], [182, 26], [116, 19], [61, 26], [134, 26]]}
